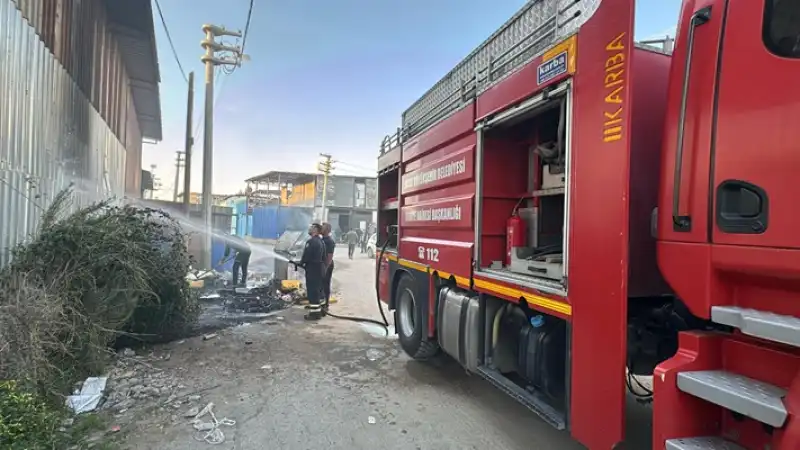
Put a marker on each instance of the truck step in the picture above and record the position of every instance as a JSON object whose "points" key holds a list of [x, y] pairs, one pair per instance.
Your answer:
{"points": [[760, 324], [755, 399], [533, 402], [701, 443]]}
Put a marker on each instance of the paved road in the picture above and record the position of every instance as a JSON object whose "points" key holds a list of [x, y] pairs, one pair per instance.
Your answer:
{"points": [[335, 385]]}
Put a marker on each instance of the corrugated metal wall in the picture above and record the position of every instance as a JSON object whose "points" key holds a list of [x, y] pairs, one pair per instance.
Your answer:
{"points": [[51, 134], [265, 222], [269, 222], [242, 222]]}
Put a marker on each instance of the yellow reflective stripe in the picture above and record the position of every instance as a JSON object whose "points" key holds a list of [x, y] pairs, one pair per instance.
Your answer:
{"points": [[532, 299], [413, 265], [459, 280]]}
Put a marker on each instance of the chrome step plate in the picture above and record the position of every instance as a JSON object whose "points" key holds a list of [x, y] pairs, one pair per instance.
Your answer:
{"points": [[760, 324], [701, 443], [754, 399]]}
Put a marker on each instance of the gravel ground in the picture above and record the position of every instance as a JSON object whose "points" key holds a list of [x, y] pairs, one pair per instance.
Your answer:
{"points": [[294, 385]]}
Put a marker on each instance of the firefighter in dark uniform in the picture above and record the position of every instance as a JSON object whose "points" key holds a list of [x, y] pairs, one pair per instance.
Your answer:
{"points": [[330, 247], [312, 262], [242, 252]]}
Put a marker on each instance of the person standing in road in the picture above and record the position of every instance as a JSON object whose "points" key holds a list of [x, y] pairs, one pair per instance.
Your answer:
{"points": [[330, 247], [241, 256], [364, 240], [352, 239], [312, 262]]}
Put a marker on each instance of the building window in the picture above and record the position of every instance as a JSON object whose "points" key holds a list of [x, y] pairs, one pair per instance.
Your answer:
{"points": [[782, 27], [361, 195]]}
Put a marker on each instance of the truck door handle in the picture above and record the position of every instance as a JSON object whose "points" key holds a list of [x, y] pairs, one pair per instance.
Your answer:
{"points": [[742, 207], [684, 223]]}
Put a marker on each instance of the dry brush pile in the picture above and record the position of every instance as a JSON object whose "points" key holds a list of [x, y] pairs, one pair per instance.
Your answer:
{"points": [[84, 281]]}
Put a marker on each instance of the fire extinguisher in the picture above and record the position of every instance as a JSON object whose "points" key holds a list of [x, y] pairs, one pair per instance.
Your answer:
{"points": [[515, 234]]}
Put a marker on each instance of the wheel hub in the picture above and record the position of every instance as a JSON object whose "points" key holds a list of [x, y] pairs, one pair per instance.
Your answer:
{"points": [[406, 313]]}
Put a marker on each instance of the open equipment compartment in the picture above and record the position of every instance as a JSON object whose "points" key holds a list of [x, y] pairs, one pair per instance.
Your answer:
{"points": [[523, 192], [389, 191], [388, 209]]}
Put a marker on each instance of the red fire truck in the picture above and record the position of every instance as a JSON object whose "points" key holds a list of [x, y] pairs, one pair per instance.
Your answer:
{"points": [[568, 209]]}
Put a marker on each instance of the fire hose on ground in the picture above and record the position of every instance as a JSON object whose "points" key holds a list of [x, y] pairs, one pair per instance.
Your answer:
{"points": [[385, 323]]}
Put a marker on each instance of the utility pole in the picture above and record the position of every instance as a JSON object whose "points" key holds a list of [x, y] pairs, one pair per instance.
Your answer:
{"points": [[211, 60], [153, 176], [178, 166], [326, 167], [187, 151]]}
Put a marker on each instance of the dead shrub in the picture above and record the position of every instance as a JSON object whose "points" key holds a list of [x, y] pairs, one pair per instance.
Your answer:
{"points": [[84, 280]]}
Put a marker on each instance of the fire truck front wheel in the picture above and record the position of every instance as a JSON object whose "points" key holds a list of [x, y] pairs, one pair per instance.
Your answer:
{"points": [[409, 320]]}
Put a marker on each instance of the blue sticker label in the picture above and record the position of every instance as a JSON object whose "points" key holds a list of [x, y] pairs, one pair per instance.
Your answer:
{"points": [[552, 68]]}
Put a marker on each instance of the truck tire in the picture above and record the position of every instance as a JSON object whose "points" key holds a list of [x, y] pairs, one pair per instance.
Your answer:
{"points": [[408, 319]]}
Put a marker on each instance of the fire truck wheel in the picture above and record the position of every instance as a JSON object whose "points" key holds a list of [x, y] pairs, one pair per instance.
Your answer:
{"points": [[410, 324]]}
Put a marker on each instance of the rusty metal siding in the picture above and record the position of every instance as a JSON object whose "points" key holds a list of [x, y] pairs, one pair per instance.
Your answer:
{"points": [[50, 133], [78, 34]]}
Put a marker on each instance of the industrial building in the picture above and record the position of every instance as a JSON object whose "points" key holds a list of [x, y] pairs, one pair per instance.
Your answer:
{"points": [[80, 87], [350, 201]]}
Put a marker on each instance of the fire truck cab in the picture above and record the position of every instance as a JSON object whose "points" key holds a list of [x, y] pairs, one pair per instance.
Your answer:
{"points": [[569, 210]]}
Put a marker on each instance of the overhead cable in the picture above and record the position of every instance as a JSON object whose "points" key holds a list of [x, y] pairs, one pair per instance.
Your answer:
{"points": [[171, 44]]}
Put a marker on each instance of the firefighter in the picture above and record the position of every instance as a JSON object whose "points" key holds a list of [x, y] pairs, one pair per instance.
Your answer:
{"points": [[241, 258], [330, 247], [312, 262]]}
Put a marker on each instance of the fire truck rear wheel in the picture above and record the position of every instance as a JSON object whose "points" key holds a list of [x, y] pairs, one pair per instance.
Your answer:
{"points": [[408, 319]]}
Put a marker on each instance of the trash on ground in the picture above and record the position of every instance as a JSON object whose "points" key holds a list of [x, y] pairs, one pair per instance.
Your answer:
{"points": [[374, 355], [211, 431], [90, 395], [290, 285], [371, 420], [257, 298], [208, 337]]}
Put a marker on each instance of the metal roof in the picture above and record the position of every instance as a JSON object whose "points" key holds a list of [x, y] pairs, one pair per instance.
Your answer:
{"points": [[285, 177], [294, 177], [132, 23]]}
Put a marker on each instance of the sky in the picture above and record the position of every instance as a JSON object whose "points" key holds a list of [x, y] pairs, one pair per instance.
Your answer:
{"points": [[323, 77]]}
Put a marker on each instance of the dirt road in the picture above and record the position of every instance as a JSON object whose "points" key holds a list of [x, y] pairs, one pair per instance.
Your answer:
{"points": [[294, 385]]}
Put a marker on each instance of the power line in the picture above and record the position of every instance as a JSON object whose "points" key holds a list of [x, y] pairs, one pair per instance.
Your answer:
{"points": [[230, 70], [217, 91], [247, 25], [356, 166], [171, 44]]}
